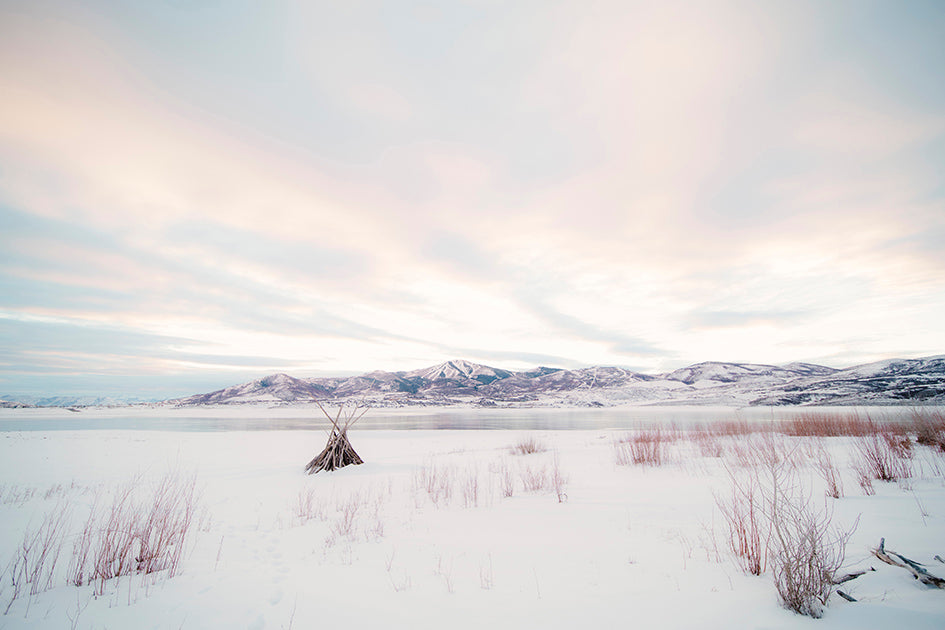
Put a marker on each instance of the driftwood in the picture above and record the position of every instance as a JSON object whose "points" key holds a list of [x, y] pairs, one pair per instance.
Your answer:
{"points": [[338, 452], [847, 578], [917, 570], [851, 576]]}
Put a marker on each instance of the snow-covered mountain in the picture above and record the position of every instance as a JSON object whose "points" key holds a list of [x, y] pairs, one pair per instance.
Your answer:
{"points": [[898, 381], [712, 373], [809, 369], [8, 401], [12, 404], [903, 381], [459, 371], [273, 388]]}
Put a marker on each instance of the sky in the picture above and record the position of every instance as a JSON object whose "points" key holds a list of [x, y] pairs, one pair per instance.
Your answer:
{"points": [[194, 194]]}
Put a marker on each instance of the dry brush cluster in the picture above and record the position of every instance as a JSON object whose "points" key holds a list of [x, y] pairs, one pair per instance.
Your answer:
{"points": [[138, 531], [540, 471], [349, 516], [644, 448], [776, 523]]}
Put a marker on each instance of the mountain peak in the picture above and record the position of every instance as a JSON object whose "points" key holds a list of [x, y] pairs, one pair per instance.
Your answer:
{"points": [[279, 378], [460, 369]]}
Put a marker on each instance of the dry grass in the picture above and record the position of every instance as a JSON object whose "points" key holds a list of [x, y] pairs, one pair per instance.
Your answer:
{"points": [[881, 457], [534, 479], [15, 495], [308, 506], [506, 479], [356, 515], [32, 569], [929, 428], [642, 448], [763, 449], [139, 533], [805, 549], [829, 472], [559, 480], [436, 481], [346, 517], [827, 424], [529, 446], [899, 442], [736, 428], [136, 535], [774, 524], [709, 444], [471, 488], [930, 422], [747, 528]]}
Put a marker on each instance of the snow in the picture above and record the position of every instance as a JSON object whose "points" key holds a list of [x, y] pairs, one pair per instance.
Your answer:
{"points": [[457, 369], [627, 544], [891, 366]]}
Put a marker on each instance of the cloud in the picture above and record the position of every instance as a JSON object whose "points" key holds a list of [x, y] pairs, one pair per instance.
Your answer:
{"points": [[462, 256], [243, 278], [620, 182], [739, 319], [55, 339], [570, 326]]}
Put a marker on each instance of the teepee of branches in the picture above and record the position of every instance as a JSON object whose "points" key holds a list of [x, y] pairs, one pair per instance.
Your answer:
{"points": [[338, 452]]}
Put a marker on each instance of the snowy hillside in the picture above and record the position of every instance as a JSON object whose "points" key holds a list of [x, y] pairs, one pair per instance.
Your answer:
{"points": [[9, 401], [11, 404], [274, 388], [894, 381], [713, 373], [899, 381]]}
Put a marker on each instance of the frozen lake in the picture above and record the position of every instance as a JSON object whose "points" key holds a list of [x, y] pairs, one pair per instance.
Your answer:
{"points": [[304, 418]]}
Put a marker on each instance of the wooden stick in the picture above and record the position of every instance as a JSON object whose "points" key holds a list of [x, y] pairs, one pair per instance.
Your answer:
{"points": [[917, 570], [849, 576]]}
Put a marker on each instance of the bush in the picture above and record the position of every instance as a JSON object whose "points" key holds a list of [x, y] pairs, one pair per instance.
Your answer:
{"points": [[772, 520], [529, 446], [882, 457], [804, 549], [929, 428], [34, 562], [645, 448], [748, 528], [140, 533], [136, 536], [829, 472]]}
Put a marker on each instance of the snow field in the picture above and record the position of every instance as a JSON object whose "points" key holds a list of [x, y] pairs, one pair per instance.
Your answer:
{"points": [[462, 528]]}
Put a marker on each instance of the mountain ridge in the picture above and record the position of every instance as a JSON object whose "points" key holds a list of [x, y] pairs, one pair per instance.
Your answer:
{"points": [[459, 381]]}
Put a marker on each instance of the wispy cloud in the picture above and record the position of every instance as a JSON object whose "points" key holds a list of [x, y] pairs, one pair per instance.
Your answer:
{"points": [[353, 186], [738, 319]]}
